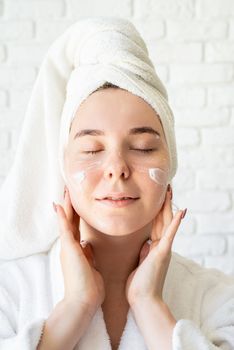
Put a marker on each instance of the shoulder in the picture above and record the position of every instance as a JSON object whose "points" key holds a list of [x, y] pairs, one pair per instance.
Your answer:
{"points": [[194, 268], [194, 291], [25, 272], [190, 270], [29, 276], [30, 264]]}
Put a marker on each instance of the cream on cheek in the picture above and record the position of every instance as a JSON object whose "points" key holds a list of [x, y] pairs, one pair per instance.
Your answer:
{"points": [[83, 178], [86, 182], [158, 175]]}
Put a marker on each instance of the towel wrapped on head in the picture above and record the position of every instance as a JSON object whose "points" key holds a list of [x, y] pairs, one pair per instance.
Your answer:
{"points": [[90, 52]]}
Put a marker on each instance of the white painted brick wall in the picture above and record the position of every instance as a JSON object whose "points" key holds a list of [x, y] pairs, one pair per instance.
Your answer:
{"points": [[187, 137], [199, 117], [182, 52], [3, 98], [213, 9], [37, 9], [195, 30], [201, 73], [223, 135], [99, 8], [2, 53], [183, 97], [231, 33], [16, 30], [221, 95], [191, 43], [219, 52]]}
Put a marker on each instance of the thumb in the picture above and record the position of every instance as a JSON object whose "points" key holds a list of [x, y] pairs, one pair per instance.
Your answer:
{"points": [[88, 251], [144, 251]]}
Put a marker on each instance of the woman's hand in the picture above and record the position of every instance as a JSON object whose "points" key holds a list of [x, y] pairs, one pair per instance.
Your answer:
{"points": [[82, 282], [147, 280]]}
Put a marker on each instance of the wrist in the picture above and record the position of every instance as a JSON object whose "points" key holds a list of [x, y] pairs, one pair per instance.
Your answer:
{"points": [[147, 302], [155, 306], [79, 307], [155, 321]]}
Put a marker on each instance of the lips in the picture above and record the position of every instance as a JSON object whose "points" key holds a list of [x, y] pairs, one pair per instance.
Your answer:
{"points": [[117, 203], [118, 196], [118, 199]]}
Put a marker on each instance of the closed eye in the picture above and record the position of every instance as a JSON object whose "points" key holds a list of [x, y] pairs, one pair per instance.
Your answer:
{"points": [[92, 152], [145, 150], [139, 150]]}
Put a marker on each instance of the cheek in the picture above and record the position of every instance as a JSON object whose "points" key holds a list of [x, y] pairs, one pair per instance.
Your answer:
{"points": [[81, 177], [153, 182], [153, 198], [81, 185]]}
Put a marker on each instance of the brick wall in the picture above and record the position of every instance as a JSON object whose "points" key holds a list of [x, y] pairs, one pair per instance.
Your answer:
{"points": [[191, 43]]}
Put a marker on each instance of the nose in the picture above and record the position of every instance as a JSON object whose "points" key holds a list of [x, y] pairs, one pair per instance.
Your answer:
{"points": [[116, 167]]}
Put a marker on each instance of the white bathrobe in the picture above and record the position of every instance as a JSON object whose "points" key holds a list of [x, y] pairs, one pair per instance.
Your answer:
{"points": [[201, 300]]}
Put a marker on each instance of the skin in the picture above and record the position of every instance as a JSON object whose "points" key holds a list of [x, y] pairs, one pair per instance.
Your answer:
{"points": [[117, 251]]}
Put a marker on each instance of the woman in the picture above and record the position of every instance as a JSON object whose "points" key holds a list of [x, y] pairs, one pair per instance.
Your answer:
{"points": [[110, 280]]}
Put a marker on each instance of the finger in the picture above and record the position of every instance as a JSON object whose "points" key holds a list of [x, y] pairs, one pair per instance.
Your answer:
{"points": [[88, 251], [68, 205], [144, 252], [158, 224], [64, 225], [72, 216], [167, 212], [172, 229], [163, 220]]}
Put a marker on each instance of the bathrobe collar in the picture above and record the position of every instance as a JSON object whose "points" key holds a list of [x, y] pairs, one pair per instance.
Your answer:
{"points": [[96, 335]]}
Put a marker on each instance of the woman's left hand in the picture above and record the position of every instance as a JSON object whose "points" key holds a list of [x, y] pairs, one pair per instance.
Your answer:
{"points": [[147, 280]]}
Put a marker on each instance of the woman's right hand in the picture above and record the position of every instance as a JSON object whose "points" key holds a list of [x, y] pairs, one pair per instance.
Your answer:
{"points": [[83, 284]]}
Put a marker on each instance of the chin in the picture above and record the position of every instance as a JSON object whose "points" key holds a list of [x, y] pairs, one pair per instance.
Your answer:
{"points": [[116, 226]]}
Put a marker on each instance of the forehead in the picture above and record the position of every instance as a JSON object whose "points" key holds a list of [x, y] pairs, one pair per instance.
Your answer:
{"points": [[114, 110]]}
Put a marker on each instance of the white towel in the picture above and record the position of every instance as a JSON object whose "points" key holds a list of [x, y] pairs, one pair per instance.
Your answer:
{"points": [[90, 52]]}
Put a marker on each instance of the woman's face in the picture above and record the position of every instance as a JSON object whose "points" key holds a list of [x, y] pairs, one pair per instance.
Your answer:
{"points": [[118, 159]]}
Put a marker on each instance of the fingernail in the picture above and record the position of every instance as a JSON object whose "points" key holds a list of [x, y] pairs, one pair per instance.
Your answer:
{"points": [[55, 207], [83, 243], [184, 213]]}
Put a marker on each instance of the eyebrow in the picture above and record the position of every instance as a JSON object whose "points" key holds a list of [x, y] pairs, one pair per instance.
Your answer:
{"points": [[133, 131]]}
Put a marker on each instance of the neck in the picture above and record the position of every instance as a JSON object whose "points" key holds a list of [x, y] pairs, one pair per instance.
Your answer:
{"points": [[115, 256]]}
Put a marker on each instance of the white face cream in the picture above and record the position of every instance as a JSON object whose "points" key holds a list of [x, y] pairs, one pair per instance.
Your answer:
{"points": [[80, 175], [156, 174]]}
